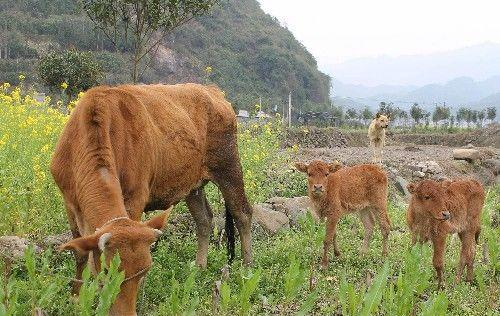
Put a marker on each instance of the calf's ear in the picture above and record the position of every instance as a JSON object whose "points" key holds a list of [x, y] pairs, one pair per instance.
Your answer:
{"points": [[334, 166], [378, 115], [159, 221], [411, 187], [300, 166], [81, 245]]}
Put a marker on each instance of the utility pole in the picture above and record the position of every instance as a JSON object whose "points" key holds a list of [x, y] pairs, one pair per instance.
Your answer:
{"points": [[290, 109]]}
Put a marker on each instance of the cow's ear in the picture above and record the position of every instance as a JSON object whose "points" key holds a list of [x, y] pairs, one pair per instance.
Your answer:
{"points": [[302, 167], [159, 221], [378, 115], [81, 245], [411, 187], [388, 116], [334, 166]]}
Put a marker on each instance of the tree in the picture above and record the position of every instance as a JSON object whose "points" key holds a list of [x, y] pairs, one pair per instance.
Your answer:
{"points": [[491, 113], [367, 115], [416, 113], [71, 71], [480, 118], [143, 22], [351, 114], [441, 113]]}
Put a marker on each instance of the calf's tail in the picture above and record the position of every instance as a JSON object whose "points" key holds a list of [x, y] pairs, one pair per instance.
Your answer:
{"points": [[229, 227]]}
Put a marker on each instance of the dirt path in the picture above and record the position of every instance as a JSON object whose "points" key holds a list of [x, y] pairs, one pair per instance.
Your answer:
{"points": [[407, 161]]}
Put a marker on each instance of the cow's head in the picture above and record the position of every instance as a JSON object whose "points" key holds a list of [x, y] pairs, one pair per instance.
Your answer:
{"points": [[429, 199], [132, 241], [382, 121], [317, 173]]}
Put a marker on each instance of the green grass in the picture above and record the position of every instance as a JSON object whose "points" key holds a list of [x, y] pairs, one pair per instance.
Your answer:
{"points": [[285, 277]]}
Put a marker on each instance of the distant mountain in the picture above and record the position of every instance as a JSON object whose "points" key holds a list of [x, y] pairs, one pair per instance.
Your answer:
{"points": [[478, 62], [457, 92]]}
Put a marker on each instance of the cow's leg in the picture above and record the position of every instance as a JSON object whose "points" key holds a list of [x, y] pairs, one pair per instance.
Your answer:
{"points": [[439, 243], [80, 260], [202, 214], [330, 236], [230, 181], [368, 220], [135, 203]]}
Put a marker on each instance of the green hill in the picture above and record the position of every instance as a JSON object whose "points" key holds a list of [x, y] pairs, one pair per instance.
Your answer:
{"points": [[250, 54]]}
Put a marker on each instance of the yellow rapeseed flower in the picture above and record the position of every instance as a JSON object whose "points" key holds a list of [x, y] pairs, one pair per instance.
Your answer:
{"points": [[64, 85]]}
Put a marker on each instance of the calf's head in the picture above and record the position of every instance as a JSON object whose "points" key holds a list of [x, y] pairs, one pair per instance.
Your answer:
{"points": [[382, 121], [429, 198], [132, 241], [317, 173]]}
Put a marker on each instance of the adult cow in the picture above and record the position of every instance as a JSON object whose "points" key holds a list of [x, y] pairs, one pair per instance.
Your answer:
{"points": [[130, 149]]}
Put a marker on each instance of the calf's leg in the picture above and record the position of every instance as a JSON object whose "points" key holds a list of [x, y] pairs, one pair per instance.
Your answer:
{"points": [[202, 214], [385, 224], [467, 255], [331, 231], [439, 243], [368, 221]]}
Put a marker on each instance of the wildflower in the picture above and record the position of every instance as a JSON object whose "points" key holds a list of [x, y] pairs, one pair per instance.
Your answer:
{"points": [[64, 85], [21, 77], [208, 69]]}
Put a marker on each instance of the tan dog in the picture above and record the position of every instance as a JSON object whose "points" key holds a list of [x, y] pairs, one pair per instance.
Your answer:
{"points": [[376, 134]]}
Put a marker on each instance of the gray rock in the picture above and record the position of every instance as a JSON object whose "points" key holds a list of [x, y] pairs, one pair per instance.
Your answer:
{"points": [[271, 221], [433, 167], [296, 208], [401, 184], [493, 165], [56, 240], [13, 247], [419, 174], [467, 154]]}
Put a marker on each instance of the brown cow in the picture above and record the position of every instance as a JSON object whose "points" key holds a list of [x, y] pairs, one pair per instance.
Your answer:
{"points": [[336, 191], [438, 209], [130, 149]]}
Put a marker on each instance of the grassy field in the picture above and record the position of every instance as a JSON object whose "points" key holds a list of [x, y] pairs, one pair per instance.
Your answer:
{"points": [[285, 278]]}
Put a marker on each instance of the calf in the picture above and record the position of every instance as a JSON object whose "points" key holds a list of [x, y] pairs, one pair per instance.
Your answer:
{"points": [[438, 209], [376, 135], [335, 191]]}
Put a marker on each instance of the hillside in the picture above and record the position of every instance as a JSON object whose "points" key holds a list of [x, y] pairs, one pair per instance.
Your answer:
{"points": [[251, 55]]}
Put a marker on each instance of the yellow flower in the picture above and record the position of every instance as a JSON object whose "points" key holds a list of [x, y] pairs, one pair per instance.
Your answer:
{"points": [[208, 69], [64, 85], [21, 77]]}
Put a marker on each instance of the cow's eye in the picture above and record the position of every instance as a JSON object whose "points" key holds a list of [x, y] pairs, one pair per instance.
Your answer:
{"points": [[427, 197], [326, 174]]}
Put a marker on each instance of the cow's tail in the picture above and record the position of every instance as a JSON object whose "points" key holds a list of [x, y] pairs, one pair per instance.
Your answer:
{"points": [[230, 234]]}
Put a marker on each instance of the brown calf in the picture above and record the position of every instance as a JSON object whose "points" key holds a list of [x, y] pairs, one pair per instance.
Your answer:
{"points": [[130, 149], [336, 191], [438, 209]]}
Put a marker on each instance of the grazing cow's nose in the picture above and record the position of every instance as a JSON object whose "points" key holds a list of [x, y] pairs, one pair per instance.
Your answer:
{"points": [[446, 215], [318, 187]]}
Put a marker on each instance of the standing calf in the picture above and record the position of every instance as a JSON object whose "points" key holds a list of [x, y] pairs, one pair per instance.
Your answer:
{"points": [[335, 191], [438, 209]]}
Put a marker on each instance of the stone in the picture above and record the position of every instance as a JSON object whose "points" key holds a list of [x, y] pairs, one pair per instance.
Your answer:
{"points": [[297, 208], [433, 167], [419, 174], [13, 247], [467, 154], [401, 184], [56, 240], [493, 165], [271, 221]]}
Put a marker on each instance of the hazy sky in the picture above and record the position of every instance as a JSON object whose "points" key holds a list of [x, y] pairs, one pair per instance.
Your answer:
{"points": [[338, 30]]}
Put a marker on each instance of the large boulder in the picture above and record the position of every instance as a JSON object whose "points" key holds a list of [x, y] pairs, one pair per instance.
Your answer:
{"points": [[295, 208], [493, 165], [271, 221], [467, 154]]}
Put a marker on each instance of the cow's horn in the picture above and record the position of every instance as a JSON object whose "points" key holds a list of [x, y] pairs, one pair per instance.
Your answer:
{"points": [[103, 240]]}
